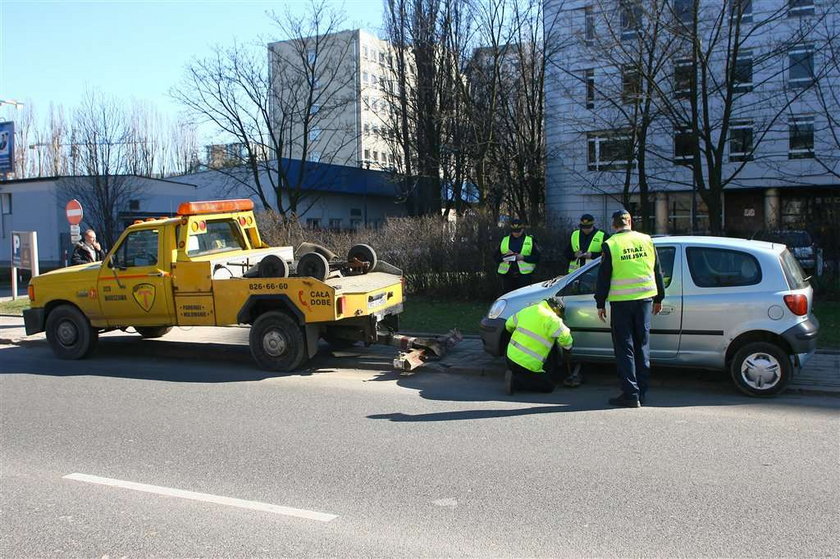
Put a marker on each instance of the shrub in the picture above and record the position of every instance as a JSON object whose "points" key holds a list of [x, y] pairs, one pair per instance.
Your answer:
{"points": [[438, 258]]}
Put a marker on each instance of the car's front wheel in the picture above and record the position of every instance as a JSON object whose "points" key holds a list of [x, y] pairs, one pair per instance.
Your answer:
{"points": [[70, 334], [761, 369]]}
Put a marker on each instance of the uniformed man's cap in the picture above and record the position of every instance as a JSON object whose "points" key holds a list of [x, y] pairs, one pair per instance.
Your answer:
{"points": [[516, 223], [621, 217], [587, 219]]}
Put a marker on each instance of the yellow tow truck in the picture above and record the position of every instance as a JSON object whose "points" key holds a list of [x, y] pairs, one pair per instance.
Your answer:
{"points": [[208, 266]]}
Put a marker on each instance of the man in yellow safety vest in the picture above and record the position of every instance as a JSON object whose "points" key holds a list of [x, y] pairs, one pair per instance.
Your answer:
{"points": [[585, 243], [517, 257], [631, 280], [535, 329]]}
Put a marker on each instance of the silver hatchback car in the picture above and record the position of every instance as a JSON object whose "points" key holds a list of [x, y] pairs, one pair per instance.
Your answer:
{"points": [[730, 304]]}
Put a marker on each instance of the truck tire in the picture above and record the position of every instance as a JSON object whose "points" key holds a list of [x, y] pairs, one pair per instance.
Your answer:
{"points": [[69, 333], [277, 342], [363, 253], [761, 369], [153, 331], [313, 265]]}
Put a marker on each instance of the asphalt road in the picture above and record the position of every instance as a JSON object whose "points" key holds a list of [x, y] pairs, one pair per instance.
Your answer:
{"points": [[428, 465]]}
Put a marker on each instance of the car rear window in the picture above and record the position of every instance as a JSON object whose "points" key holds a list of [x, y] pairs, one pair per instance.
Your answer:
{"points": [[794, 274], [715, 267]]}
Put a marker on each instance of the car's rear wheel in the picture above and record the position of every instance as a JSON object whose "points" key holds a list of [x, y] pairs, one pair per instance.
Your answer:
{"points": [[153, 331], [276, 342], [761, 369], [70, 334]]}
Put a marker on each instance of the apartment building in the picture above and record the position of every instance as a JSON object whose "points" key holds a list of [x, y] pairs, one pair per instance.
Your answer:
{"points": [[780, 161], [331, 93]]}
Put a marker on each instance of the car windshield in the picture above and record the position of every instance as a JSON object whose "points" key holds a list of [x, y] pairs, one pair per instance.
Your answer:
{"points": [[789, 238]]}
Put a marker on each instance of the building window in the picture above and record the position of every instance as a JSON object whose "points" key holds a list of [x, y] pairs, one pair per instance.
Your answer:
{"points": [[798, 8], [741, 140], [366, 102], [314, 134], [742, 76], [685, 146], [365, 52], [684, 10], [313, 110], [381, 57], [801, 134], [742, 9], [6, 203], [589, 25], [609, 150], [311, 55], [364, 77], [314, 156], [367, 155], [367, 128], [801, 66], [335, 223], [313, 222], [631, 18], [355, 223], [375, 155], [590, 88], [356, 212], [684, 77], [631, 84]]}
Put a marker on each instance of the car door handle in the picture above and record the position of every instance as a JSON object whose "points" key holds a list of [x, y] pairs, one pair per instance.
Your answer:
{"points": [[666, 310], [157, 274]]}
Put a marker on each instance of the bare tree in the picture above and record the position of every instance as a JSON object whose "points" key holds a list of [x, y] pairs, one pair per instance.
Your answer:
{"points": [[274, 111]]}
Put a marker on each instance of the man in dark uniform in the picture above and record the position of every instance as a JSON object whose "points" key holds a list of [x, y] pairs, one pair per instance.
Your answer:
{"points": [[585, 243], [631, 280], [517, 257]]}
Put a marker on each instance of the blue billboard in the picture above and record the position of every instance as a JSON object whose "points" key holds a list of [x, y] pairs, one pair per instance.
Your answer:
{"points": [[7, 147]]}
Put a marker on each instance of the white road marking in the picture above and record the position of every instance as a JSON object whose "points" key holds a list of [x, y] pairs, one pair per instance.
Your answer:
{"points": [[204, 497]]}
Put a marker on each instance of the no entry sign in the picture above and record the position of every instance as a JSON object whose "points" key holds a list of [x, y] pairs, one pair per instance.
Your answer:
{"points": [[74, 212]]}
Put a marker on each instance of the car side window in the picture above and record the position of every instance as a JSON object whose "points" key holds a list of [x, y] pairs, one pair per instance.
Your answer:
{"points": [[666, 263], [139, 248], [584, 284], [714, 267]]}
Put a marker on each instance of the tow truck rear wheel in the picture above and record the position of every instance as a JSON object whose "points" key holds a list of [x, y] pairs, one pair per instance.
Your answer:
{"points": [[153, 331], [70, 334], [277, 342]]}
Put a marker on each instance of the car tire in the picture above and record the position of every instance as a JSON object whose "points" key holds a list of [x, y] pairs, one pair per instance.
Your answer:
{"points": [[153, 331], [761, 369], [313, 265], [277, 342], [69, 333], [363, 253]]}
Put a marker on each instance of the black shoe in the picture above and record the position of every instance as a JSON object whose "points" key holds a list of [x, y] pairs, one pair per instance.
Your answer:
{"points": [[509, 382], [624, 401]]}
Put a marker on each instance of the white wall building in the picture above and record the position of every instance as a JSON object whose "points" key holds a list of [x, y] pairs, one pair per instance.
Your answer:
{"points": [[38, 205], [780, 184]]}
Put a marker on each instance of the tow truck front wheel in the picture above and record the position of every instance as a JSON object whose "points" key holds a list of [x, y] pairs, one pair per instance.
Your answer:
{"points": [[277, 342], [70, 334]]}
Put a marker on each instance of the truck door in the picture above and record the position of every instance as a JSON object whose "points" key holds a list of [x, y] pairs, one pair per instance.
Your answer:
{"points": [[134, 287]]}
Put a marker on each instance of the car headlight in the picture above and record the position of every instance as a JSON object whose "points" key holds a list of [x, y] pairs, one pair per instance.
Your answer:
{"points": [[497, 308]]}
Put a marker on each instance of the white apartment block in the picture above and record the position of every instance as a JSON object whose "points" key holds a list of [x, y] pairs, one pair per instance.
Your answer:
{"points": [[350, 111], [785, 183]]}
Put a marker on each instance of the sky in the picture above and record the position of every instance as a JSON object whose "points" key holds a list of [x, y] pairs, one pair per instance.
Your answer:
{"points": [[56, 51]]}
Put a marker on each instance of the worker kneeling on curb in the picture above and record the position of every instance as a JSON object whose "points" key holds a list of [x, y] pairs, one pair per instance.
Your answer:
{"points": [[535, 331]]}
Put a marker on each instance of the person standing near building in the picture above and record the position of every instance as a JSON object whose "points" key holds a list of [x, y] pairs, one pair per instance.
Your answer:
{"points": [[517, 257], [631, 280], [585, 243], [535, 329], [87, 250]]}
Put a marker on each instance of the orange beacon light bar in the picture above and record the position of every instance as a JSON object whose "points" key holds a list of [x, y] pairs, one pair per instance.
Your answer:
{"points": [[216, 206]]}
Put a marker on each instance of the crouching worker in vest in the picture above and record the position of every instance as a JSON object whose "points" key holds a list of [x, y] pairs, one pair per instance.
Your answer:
{"points": [[535, 330]]}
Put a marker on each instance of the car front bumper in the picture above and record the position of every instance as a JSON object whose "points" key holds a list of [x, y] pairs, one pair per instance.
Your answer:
{"points": [[492, 333]]}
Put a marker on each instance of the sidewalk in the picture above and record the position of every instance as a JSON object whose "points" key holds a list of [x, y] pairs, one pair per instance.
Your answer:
{"points": [[820, 375]]}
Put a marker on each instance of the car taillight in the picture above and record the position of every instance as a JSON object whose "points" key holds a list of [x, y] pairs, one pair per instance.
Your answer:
{"points": [[339, 305], [798, 304], [31, 292]]}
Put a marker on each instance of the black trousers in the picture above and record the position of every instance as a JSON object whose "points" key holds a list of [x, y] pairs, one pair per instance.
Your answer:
{"points": [[511, 281], [630, 321], [526, 380]]}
